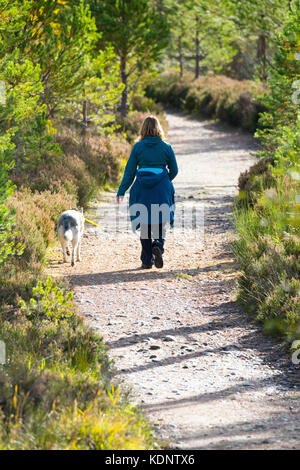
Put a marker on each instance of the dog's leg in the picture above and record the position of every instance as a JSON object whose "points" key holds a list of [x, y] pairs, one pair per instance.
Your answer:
{"points": [[78, 251], [74, 248], [63, 244], [73, 253], [65, 251]]}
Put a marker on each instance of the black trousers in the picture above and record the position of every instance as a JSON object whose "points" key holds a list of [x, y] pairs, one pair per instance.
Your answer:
{"points": [[151, 235]]}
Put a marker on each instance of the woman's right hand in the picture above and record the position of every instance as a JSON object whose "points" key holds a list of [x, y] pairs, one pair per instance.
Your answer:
{"points": [[120, 199]]}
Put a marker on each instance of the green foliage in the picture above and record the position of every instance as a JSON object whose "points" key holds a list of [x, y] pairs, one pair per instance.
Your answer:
{"points": [[282, 100], [268, 246], [268, 250], [213, 96], [74, 79], [17, 108], [255, 22], [202, 35], [55, 388], [23, 126], [36, 215], [229, 37], [138, 34], [132, 123], [7, 246], [96, 101], [90, 162], [54, 35], [168, 89], [253, 181], [61, 95], [21, 113], [48, 302]]}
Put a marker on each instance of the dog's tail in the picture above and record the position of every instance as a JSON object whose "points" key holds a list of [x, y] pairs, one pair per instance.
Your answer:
{"points": [[68, 235]]}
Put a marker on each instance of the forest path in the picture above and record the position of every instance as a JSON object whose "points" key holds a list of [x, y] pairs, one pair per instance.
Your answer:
{"points": [[205, 375]]}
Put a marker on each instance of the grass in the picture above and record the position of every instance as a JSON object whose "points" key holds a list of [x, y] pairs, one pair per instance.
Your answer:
{"points": [[183, 276], [55, 388], [268, 249]]}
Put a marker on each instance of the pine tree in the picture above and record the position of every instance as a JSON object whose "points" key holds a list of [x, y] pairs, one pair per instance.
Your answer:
{"points": [[137, 32]]}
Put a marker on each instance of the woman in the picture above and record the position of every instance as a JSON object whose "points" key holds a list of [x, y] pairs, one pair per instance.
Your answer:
{"points": [[152, 191]]}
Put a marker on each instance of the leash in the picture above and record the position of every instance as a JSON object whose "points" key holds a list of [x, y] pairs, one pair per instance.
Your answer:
{"points": [[91, 222]]}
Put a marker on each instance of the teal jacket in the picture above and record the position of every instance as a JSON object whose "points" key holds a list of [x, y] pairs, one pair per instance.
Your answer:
{"points": [[150, 152]]}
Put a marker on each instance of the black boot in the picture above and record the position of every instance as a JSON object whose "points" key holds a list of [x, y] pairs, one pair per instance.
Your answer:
{"points": [[146, 242], [146, 266], [158, 256]]}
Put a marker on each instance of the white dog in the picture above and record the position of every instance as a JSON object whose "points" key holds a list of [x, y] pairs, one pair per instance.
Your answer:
{"points": [[70, 228]]}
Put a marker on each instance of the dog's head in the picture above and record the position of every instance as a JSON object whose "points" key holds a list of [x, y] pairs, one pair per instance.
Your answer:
{"points": [[77, 210]]}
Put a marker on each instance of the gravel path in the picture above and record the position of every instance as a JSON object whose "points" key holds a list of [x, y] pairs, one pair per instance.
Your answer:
{"points": [[206, 376]]}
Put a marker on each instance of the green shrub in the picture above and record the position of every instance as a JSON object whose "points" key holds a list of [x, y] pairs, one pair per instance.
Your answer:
{"points": [[35, 219], [253, 181], [268, 221], [268, 247], [55, 388], [213, 96], [132, 124], [101, 155], [48, 302], [146, 105], [36, 216], [86, 162], [169, 90]]}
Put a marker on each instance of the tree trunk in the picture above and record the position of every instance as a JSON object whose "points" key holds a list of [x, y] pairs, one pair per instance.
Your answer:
{"points": [[180, 58], [261, 56], [123, 107], [197, 49]]}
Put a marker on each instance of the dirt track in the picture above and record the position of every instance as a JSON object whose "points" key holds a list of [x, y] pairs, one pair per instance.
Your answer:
{"points": [[203, 373]]}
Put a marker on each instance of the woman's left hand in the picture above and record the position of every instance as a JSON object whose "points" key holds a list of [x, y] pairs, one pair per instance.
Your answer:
{"points": [[120, 199]]}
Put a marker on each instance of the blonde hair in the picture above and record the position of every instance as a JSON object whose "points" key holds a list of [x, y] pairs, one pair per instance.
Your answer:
{"points": [[151, 127]]}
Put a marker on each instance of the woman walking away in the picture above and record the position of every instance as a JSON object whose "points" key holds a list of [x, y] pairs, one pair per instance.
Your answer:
{"points": [[152, 163]]}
